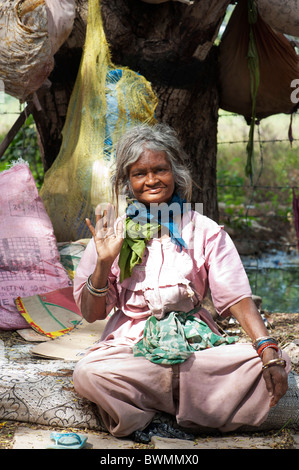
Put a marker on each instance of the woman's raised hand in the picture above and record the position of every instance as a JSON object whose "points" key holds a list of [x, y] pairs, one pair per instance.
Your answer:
{"points": [[107, 240]]}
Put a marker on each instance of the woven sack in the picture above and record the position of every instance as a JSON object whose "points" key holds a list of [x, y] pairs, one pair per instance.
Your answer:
{"points": [[29, 258], [61, 15], [31, 31]]}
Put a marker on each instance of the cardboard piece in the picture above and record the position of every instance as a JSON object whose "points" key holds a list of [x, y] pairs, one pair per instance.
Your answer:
{"points": [[51, 314], [28, 334], [73, 345]]}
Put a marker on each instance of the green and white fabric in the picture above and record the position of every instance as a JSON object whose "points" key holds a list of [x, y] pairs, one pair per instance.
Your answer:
{"points": [[176, 337]]}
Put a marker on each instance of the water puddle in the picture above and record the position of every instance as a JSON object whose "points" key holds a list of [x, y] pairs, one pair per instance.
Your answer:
{"points": [[275, 278]]}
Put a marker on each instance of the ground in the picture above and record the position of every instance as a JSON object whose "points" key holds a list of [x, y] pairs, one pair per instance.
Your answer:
{"points": [[285, 327]]}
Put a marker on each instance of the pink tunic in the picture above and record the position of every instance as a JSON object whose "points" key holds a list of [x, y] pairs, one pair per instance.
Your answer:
{"points": [[168, 279], [220, 387]]}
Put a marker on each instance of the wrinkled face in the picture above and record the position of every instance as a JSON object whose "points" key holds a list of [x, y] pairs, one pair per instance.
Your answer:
{"points": [[151, 178]]}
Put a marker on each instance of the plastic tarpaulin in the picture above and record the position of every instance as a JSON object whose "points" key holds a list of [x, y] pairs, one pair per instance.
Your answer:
{"points": [[257, 66], [281, 15], [278, 66]]}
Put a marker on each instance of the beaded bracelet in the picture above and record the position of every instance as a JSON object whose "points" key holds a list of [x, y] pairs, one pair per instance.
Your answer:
{"points": [[97, 292], [274, 362]]}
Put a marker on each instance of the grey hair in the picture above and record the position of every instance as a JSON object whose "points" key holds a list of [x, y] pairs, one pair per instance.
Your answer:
{"points": [[158, 137]]}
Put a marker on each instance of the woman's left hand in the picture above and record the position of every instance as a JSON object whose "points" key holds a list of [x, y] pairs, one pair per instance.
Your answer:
{"points": [[276, 380]]}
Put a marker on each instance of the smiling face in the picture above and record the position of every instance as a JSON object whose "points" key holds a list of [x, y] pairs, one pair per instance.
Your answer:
{"points": [[151, 178]]}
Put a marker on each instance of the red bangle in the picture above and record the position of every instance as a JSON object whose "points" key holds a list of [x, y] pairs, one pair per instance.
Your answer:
{"points": [[267, 345]]}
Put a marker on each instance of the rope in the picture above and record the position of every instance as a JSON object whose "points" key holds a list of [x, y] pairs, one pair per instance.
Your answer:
{"points": [[253, 65]]}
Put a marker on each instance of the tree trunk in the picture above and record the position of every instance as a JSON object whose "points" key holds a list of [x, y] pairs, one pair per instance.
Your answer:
{"points": [[171, 45], [193, 112]]}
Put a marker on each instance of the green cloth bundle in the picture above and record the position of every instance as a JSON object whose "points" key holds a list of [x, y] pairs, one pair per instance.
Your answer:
{"points": [[176, 337]]}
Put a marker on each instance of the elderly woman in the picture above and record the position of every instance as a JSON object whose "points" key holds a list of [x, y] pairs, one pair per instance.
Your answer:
{"points": [[148, 272]]}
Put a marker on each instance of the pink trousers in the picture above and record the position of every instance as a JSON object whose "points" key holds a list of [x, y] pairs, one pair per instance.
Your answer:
{"points": [[219, 388]]}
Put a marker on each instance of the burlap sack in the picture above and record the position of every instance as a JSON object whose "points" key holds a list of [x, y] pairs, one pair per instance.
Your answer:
{"points": [[31, 32]]}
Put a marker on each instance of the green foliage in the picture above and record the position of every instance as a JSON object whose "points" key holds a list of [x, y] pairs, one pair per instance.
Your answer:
{"points": [[276, 168], [25, 146]]}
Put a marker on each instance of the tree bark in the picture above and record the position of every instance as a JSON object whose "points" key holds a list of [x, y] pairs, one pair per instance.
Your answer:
{"points": [[171, 45]]}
